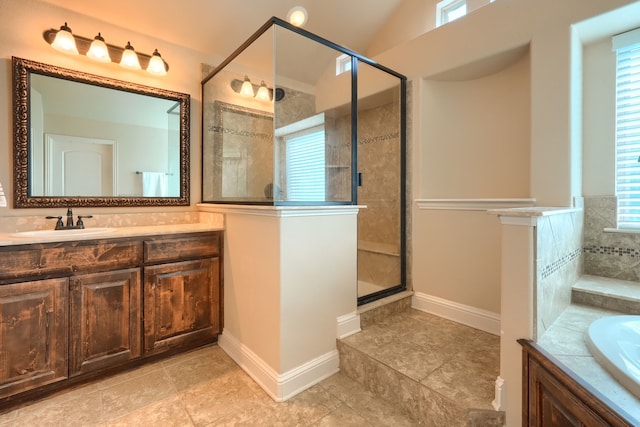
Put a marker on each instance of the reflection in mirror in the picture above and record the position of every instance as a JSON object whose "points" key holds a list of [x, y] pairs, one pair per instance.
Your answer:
{"points": [[84, 140]]}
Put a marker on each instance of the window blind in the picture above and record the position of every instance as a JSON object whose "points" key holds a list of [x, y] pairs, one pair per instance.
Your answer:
{"points": [[306, 167], [627, 48]]}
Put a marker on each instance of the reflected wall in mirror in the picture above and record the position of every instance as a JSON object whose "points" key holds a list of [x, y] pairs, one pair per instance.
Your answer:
{"points": [[85, 140]]}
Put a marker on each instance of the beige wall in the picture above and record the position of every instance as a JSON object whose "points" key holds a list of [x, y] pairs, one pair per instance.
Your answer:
{"points": [[476, 136], [525, 53], [598, 178], [412, 19], [475, 145]]}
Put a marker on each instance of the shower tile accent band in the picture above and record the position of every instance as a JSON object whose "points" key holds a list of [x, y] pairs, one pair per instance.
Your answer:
{"points": [[556, 265], [250, 134], [379, 138], [607, 250]]}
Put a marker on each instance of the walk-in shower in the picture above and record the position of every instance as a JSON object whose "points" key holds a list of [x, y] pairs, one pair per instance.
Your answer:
{"points": [[291, 118]]}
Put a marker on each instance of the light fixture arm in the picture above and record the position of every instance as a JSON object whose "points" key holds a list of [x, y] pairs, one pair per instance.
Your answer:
{"points": [[115, 52]]}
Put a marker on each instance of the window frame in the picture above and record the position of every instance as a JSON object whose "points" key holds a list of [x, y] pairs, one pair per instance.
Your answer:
{"points": [[445, 7], [627, 128]]}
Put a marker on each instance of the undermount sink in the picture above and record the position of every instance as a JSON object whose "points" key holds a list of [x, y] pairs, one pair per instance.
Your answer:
{"points": [[63, 233]]}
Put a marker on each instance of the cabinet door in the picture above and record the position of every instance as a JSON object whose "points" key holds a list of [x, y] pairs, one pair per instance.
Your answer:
{"points": [[105, 320], [182, 301], [555, 397], [33, 334]]}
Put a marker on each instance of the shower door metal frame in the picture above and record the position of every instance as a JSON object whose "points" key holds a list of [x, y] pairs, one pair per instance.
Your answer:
{"points": [[355, 57]]}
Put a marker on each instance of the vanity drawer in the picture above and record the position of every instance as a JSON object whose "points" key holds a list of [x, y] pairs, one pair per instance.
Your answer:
{"points": [[56, 259], [182, 247]]}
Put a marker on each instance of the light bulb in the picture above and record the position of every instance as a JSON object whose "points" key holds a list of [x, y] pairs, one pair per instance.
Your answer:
{"points": [[130, 58], [247, 87], [297, 16], [98, 50], [64, 41], [263, 92], [156, 64]]}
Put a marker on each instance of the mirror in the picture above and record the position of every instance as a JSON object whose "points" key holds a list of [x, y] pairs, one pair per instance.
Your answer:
{"points": [[86, 140]]}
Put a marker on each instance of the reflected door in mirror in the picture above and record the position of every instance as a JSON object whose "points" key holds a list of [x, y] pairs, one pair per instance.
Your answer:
{"points": [[79, 166]]}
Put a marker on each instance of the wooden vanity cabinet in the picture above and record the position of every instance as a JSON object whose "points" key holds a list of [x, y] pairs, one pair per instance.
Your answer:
{"points": [[105, 311], [75, 310], [33, 334], [555, 397], [182, 298]]}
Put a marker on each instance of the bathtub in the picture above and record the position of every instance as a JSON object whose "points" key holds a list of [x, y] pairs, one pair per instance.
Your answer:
{"points": [[614, 341]]}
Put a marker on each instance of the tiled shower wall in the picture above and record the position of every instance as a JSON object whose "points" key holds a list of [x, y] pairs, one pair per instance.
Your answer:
{"points": [[607, 254], [379, 236], [558, 265]]}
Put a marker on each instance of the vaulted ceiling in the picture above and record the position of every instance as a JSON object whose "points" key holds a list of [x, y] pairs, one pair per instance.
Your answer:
{"points": [[220, 26]]}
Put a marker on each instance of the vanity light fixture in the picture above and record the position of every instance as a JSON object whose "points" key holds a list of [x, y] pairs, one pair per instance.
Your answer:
{"points": [[263, 92], [156, 64], [64, 41], [130, 58], [98, 50], [297, 16], [247, 88]]}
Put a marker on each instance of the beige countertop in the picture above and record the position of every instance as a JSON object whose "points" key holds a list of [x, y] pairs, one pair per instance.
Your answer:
{"points": [[12, 239]]}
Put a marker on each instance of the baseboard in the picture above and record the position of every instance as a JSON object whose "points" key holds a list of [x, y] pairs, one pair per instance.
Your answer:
{"points": [[499, 391], [279, 387], [348, 324], [484, 320]]}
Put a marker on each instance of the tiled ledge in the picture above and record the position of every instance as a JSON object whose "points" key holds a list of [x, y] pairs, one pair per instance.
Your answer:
{"points": [[473, 204], [534, 211], [565, 341]]}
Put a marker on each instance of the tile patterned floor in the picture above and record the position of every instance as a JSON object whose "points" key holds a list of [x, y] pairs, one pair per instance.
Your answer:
{"points": [[204, 388], [435, 369]]}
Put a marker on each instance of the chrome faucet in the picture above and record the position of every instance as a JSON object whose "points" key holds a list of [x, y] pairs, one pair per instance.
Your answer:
{"points": [[69, 226]]}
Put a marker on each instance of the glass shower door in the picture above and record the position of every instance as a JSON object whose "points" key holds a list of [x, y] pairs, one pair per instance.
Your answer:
{"points": [[381, 187]]}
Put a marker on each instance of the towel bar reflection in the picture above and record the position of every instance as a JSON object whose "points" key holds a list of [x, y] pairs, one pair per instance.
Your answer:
{"points": [[166, 173]]}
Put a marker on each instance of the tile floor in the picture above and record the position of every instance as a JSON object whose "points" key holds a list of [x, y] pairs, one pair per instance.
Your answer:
{"points": [[435, 369], [204, 388]]}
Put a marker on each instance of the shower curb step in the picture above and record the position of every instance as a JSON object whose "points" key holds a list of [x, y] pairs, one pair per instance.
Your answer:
{"points": [[612, 294], [426, 406]]}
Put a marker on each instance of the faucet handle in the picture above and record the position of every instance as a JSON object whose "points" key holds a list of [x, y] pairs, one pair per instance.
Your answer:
{"points": [[80, 223], [59, 223]]}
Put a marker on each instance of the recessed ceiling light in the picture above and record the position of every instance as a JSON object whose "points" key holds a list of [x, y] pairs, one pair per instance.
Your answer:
{"points": [[297, 16]]}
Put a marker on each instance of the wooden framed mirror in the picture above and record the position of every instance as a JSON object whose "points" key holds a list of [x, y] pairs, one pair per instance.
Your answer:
{"points": [[86, 140]]}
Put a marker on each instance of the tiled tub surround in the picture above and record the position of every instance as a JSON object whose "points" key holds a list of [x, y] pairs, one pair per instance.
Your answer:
{"points": [[565, 341], [559, 264], [605, 256], [608, 254]]}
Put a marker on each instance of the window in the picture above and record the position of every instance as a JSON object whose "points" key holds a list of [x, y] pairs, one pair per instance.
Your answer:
{"points": [[306, 165], [343, 64], [450, 10], [627, 47]]}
